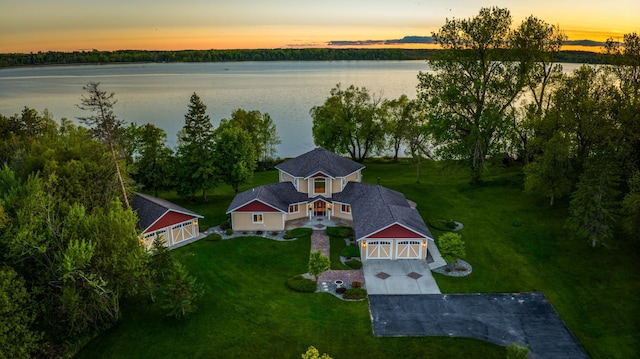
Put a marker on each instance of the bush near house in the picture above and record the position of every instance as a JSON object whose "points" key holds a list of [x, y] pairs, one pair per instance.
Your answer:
{"points": [[353, 263], [350, 251], [214, 237], [342, 232]]}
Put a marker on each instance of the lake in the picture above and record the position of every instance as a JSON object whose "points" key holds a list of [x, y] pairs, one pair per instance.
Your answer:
{"points": [[159, 93]]}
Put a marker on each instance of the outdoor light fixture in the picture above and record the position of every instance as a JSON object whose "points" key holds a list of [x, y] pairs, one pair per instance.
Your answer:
{"points": [[364, 244], [195, 223], [424, 244]]}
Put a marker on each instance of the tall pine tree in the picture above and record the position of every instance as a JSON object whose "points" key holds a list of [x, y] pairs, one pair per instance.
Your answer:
{"points": [[195, 170]]}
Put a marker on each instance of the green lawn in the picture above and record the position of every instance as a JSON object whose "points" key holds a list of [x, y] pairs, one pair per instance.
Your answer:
{"points": [[248, 311]]}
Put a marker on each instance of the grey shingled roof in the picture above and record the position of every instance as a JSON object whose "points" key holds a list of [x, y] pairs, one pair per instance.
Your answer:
{"points": [[374, 207], [278, 195], [150, 209], [319, 160]]}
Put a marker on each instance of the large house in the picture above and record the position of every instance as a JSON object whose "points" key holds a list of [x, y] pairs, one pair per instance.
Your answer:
{"points": [[159, 217], [322, 184]]}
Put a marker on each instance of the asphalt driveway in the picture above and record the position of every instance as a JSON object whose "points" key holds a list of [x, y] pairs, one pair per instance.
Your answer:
{"points": [[527, 318]]}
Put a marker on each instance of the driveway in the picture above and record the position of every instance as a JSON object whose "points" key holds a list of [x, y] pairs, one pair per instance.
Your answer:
{"points": [[503, 319], [402, 276]]}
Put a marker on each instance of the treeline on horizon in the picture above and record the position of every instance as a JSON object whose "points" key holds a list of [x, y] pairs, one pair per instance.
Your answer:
{"points": [[309, 54]]}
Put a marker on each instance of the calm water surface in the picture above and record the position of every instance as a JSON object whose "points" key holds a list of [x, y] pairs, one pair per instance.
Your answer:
{"points": [[159, 93]]}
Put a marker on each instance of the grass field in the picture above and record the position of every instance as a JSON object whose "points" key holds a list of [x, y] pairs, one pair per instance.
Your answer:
{"points": [[515, 242]]}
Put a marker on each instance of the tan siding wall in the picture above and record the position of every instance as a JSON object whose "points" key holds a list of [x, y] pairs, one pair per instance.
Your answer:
{"points": [[301, 214], [242, 221], [285, 177], [335, 186], [303, 185], [335, 209], [354, 177]]}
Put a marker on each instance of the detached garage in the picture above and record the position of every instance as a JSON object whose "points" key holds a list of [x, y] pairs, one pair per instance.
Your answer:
{"points": [[159, 217]]}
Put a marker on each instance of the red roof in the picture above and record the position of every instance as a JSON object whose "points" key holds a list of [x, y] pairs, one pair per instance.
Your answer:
{"points": [[256, 206], [396, 231], [169, 219]]}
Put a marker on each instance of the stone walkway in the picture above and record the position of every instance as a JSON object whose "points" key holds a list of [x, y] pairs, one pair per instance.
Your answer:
{"points": [[320, 241]]}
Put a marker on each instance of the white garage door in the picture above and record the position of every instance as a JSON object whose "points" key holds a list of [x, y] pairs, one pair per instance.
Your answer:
{"points": [[182, 232], [409, 249], [378, 249]]}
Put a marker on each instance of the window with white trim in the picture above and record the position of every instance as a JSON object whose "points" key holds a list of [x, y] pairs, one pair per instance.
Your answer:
{"points": [[257, 218], [319, 185], [345, 208], [294, 208]]}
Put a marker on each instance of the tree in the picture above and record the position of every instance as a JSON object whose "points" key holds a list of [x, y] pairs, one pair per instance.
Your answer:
{"points": [[400, 117], [260, 127], [313, 353], [592, 207], [152, 166], [234, 157], [451, 247], [471, 87], [518, 351], [318, 263], [631, 205], [536, 45], [106, 126], [18, 339], [195, 154], [350, 121], [180, 293]]}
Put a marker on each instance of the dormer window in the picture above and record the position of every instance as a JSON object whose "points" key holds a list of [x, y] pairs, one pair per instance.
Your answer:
{"points": [[319, 185]]}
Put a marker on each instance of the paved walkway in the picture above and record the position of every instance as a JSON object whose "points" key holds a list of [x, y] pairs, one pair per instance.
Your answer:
{"points": [[503, 319], [320, 241], [401, 276]]}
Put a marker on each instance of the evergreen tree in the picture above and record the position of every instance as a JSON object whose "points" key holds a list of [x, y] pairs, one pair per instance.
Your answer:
{"points": [[152, 166], [195, 167], [180, 293], [106, 126]]}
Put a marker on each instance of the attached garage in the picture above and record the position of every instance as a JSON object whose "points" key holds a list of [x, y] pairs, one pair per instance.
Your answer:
{"points": [[409, 249], [378, 249], [395, 242]]}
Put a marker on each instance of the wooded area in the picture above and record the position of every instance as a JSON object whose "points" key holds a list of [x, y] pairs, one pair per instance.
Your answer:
{"points": [[312, 54]]}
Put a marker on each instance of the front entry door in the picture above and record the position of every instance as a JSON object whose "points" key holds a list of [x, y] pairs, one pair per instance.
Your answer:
{"points": [[319, 209]]}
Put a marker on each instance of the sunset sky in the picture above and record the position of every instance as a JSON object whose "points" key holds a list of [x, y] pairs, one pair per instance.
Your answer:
{"points": [[70, 25]]}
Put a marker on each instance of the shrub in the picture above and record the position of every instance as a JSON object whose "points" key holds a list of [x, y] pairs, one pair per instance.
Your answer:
{"points": [[451, 224], [355, 293], [342, 232], [288, 235], [341, 290], [214, 237], [301, 232], [354, 264], [302, 284], [356, 284], [350, 251], [259, 233], [275, 233], [225, 225], [229, 231]]}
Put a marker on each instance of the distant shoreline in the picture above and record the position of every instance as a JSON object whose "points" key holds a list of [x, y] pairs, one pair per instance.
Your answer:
{"points": [[95, 57]]}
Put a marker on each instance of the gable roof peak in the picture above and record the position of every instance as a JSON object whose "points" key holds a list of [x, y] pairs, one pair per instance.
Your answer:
{"points": [[319, 160]]}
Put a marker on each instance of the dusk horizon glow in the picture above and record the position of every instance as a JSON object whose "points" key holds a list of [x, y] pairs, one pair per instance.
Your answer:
{"points": [[74, 25]]}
